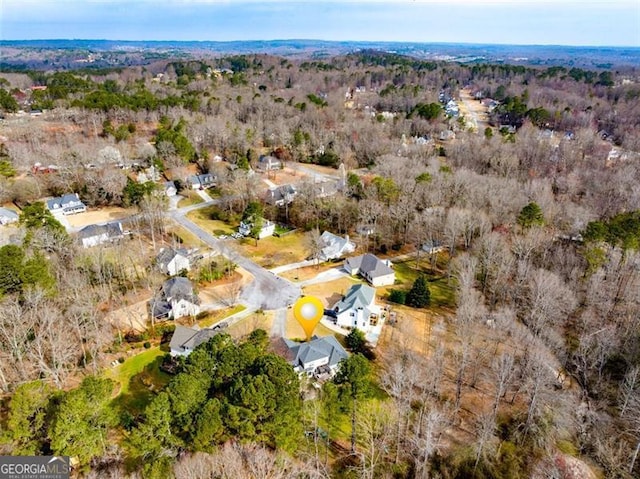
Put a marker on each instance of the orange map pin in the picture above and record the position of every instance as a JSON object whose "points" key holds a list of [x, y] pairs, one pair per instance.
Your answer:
{"points": [[308, 311]]}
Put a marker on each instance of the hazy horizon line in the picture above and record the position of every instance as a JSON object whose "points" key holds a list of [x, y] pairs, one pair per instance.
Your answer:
{"points": [[399, 42]]}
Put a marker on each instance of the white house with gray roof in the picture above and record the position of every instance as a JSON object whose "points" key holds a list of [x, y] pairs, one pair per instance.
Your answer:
{"points": [[185, 340], [358, 308], [175, 300], [201, 182], [94, 235], [319, 357], [8, 216], [171, 261], [376, 271], [68, 204], [334, 246]]}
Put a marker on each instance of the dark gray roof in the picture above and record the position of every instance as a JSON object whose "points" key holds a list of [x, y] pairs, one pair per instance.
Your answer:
{"points": [[160, 308], [167, 254], [358, 296], [202, 180], [281, 193], [64, 200], [178, 288], [184, 337], [112, 230], [318, 348], [369, 264]]}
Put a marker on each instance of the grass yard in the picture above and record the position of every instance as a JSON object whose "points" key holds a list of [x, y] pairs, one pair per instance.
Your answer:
{"points": [[202, 217], [215, 317], [331, 292], [189, 240], [271, 251], [139, 378], [308, 272], [442, 288], [294, 331], [190, 198]]}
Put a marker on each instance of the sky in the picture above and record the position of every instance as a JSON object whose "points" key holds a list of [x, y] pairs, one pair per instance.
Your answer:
{"points": [[540, 22]]}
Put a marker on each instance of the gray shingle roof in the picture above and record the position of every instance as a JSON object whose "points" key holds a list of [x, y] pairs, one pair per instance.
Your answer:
{"points": [[189, 338], [113, 230], [358, 296], [318, 348], [166, 255], [178, 288], [369, 264]]}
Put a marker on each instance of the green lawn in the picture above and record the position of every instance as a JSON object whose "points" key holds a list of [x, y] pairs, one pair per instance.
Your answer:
{"points": [[273, 251], [217, 316], [442, 288], [202, 217], [139, 378]]}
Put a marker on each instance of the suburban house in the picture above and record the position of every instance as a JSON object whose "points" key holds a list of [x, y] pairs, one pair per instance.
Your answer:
{"points": [[185, 340], [201, 182], [281, 195], [358, 309], [170, 188], [433, 246], [149, 174], [171, 261], [8, 216], [68, 204], [94, 235], [268, 228], [365, 230], [175, 300], [374, 270], [319, 357], [334, 246], [268, 163]]}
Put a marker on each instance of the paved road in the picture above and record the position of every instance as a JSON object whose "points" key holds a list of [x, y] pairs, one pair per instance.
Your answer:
{"points": [[479, 122], [267, 291]]}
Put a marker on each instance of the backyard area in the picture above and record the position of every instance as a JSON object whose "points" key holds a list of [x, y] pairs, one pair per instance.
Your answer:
{"points": [[441, 287], [137, 380]]}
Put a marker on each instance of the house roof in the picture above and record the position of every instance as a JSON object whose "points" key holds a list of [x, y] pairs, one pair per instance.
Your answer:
{"points": [[189, 338], [63, 200], [314, 350], [281, 193], [369, 264], [167, 254], [178, 288], [358, 296], [205, 179], [334, 245], [7, 213], [112, 230]]}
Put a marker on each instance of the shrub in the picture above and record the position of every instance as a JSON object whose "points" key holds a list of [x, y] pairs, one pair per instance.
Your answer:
{"points": [[398, 296], [147, 345]]}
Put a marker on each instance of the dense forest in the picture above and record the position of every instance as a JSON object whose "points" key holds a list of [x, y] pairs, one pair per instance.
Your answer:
{"points": [[536, 372]]}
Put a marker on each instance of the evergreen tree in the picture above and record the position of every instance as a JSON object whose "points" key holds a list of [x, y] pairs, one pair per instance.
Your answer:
{"points": [[531, 215], [419, 295], [81, 421]]}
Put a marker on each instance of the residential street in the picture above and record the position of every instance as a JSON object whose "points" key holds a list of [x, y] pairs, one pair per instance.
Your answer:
{"points": [[267, 291]]}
